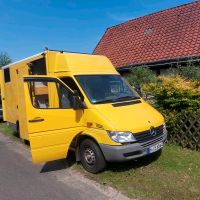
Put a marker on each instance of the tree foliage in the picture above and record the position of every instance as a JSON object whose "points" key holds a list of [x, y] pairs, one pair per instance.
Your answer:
{"points": [[141, 75], [175, 93], [4, 59], [175, 96], [190, 72]]}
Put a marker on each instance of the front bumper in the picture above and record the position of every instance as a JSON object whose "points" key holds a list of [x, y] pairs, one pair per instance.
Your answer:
{"points": [[129, 151]]}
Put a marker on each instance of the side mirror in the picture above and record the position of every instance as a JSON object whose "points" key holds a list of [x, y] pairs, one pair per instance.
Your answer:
{"points": [[76, 102]]}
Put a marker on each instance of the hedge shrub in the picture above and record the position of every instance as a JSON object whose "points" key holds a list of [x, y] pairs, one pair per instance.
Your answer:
{"points": [[176, 98], [174, 94]]}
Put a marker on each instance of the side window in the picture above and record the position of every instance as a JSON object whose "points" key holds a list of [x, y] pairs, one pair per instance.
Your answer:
{"points": [[49, 94], [64, 96], [6, 74], [71, 84]]}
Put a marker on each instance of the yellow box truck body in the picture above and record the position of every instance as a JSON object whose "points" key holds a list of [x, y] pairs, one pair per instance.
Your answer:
{"points": [[59, 100]]}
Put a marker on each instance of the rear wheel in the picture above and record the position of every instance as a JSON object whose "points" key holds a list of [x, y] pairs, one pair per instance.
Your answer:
{"points": [[17, 133], [91, 156]]}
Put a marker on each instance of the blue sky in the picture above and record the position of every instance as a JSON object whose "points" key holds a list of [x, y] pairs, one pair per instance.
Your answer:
{"points": [[28, 26]]}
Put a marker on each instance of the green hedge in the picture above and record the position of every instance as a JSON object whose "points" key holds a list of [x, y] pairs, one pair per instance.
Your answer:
{"points": [[178, 100]]}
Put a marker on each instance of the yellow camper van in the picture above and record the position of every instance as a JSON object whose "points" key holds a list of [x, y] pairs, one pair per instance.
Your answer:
{"points": [[59, 101]]}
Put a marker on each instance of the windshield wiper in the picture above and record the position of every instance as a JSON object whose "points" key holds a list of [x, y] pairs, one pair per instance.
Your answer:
{"points": [[128, 98], [117, 99], [104, 101]]}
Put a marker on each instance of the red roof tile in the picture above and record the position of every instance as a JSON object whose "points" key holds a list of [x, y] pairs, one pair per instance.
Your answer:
{"points": [[169, 34]]}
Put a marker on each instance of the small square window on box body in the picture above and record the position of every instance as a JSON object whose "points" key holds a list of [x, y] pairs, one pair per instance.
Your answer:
{"points": [[7, 75]]}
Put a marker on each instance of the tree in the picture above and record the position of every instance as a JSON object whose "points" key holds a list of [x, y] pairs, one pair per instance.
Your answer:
{"points": [[191, 71], [4, 59], [139, 76]]}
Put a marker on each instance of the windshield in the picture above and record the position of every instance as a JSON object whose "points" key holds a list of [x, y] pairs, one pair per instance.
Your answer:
{"points": [[106, 88]]}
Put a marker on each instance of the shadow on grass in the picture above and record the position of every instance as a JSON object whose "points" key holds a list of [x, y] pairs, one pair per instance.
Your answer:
{"points": [[59, 164], [134, 164], [115, 167]]}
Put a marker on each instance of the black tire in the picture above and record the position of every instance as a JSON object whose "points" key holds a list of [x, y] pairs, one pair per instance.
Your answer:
{"points": [[17, 132], [91, 156]]}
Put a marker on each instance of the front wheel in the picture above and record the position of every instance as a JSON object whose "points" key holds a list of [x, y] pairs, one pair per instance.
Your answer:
{"points": [[91, 156]]}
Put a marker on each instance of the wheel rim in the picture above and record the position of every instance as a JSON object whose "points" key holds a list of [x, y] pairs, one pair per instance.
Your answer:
{"points": [[89, 156]]}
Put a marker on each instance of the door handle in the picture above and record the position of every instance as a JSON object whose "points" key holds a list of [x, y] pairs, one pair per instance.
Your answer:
{"points": [[36, 119]]}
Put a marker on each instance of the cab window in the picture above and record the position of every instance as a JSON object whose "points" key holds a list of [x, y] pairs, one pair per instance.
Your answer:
{"points": [[47, 94], [72, 85], [106, 88]]}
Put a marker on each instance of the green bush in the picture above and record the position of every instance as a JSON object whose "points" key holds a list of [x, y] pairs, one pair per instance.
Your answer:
{"points": [[175, 97], [190, 72], [141, 75], [174, 94]]}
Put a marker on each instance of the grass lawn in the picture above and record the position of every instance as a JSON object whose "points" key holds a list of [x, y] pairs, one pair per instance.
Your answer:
{"points": [[175, 174], [8, 131]]}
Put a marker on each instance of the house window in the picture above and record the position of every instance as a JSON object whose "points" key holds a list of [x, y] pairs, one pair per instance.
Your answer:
{"points": [[7, 75]]}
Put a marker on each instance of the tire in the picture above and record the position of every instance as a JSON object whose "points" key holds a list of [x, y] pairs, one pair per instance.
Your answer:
{"points": [[91, 156], [17, 132]]}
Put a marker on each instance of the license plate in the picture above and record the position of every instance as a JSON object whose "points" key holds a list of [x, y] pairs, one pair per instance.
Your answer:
{"points": [[154, 148]]}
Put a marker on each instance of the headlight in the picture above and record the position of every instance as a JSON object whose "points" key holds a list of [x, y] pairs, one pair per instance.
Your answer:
{"points": [[121, 136]]}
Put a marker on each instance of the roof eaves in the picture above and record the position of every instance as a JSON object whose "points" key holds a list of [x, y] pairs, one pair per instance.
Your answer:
{"points": [[160, 63]]}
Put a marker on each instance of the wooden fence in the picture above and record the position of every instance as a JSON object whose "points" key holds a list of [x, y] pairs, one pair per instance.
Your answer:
{"points": [[187, 132]]}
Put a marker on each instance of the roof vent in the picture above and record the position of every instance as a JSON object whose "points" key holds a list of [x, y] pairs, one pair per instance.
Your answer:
{"points": [[148, 30]]}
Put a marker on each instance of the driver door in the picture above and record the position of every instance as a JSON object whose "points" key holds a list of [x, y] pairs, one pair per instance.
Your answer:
{"points": [[50, 120]]}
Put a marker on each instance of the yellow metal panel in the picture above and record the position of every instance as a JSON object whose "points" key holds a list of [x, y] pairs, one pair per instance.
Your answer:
{"points": [[49, 153], [134, 118], [54, 137], [51, 145], [100, 136], [79, 63], [11, 105], [3, 95], [53, 96], [21, 114]]}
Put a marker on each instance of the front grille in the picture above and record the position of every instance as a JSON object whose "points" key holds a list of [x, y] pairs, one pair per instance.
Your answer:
{"points": [[151, 142], [145, 135]]}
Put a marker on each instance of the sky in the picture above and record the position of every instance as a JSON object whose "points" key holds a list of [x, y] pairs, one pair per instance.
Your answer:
{"points": [[28, 26]]}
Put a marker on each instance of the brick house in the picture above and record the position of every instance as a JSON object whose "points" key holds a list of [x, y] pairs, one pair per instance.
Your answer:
{"points": [[158, 40]]}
